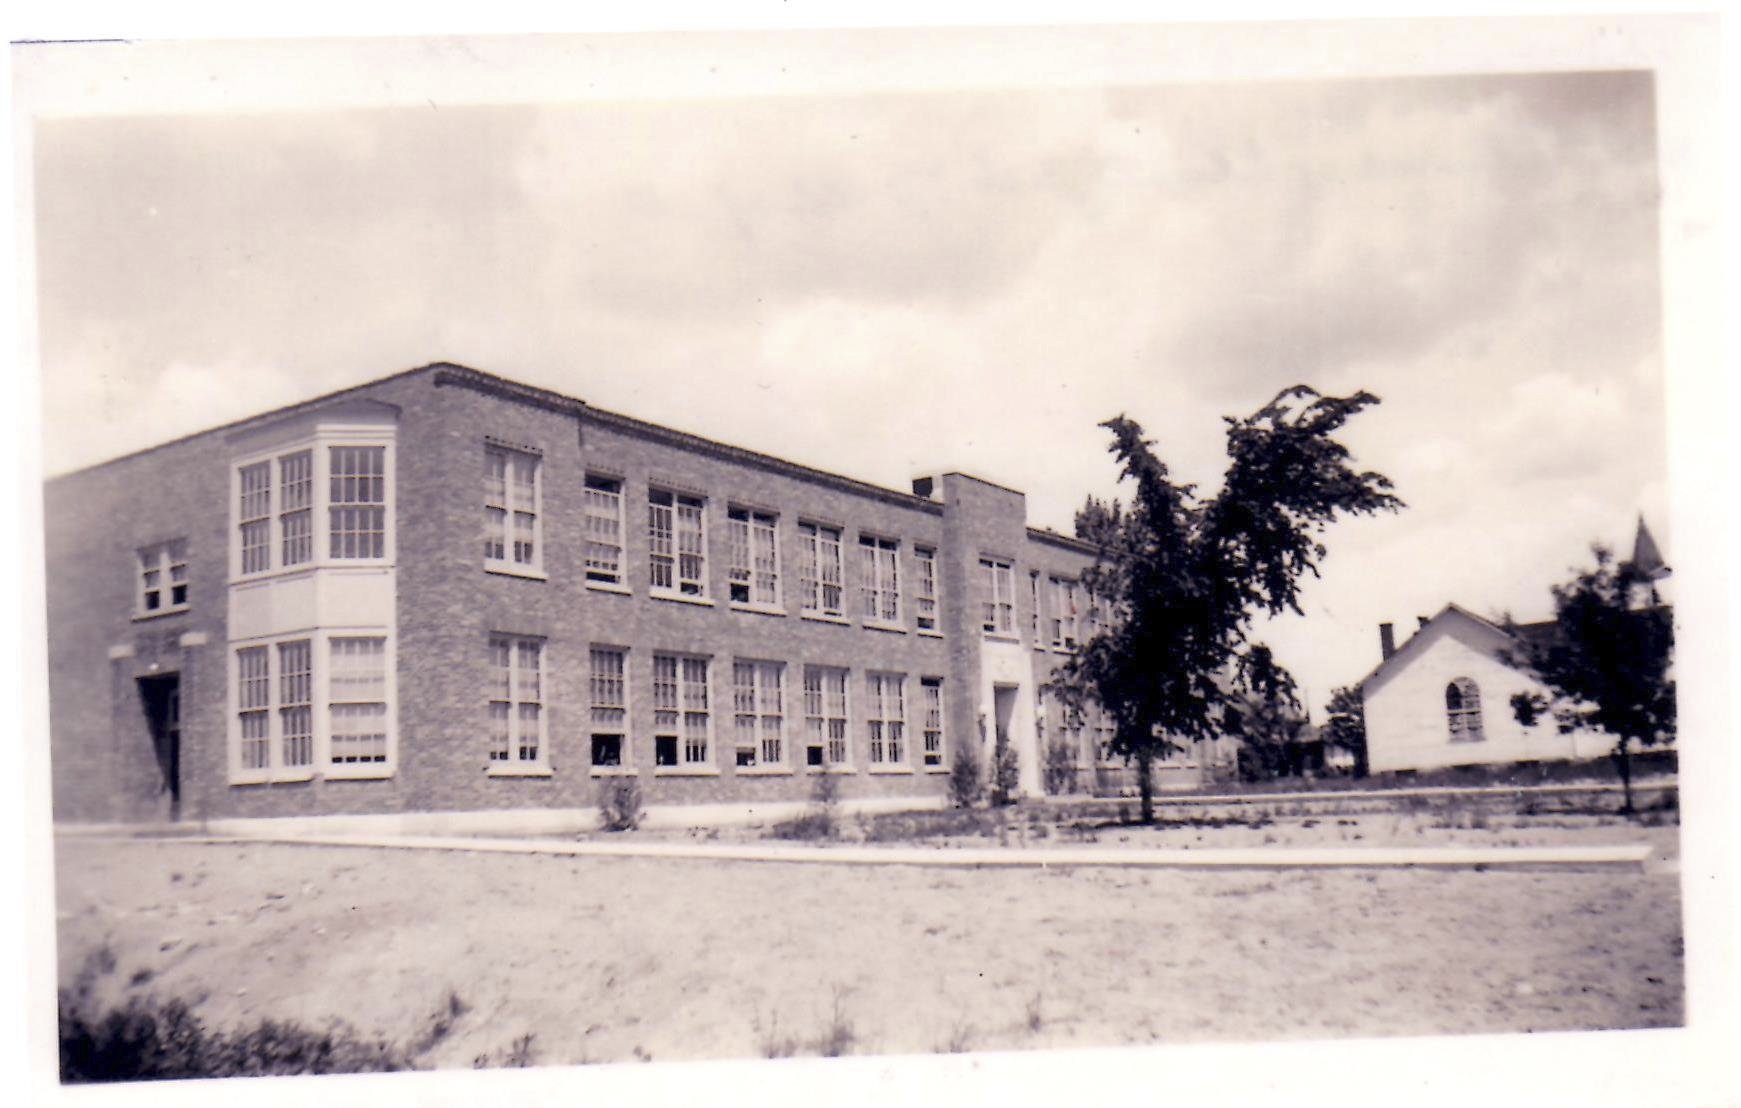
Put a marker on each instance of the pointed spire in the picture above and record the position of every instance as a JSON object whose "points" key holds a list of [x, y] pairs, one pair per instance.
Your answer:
{"points": [[1646, 558]]}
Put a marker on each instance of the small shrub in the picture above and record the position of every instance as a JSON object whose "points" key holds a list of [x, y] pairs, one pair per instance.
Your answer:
{"points": [[839, 1036], [1058, 774], [619, 804], [1005, 774], [821, 821], [1035, 1014], [966, 778]]}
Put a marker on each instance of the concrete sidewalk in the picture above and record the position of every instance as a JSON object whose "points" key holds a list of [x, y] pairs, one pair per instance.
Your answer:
{"points": [[1512, 858]]}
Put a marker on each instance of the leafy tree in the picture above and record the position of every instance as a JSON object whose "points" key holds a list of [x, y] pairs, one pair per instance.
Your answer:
{"points": [[1346, 727], [1605, 660], [1182, 577]]}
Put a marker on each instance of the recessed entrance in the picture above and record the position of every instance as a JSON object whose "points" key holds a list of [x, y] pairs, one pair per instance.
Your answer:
{"points": [[160, 697]]}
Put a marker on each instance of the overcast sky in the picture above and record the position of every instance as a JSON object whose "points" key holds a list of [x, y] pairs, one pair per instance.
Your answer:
{"points": [[900, 283]]}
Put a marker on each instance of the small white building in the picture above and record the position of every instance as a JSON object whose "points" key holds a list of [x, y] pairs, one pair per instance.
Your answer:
{"points": [[1443, 698]]}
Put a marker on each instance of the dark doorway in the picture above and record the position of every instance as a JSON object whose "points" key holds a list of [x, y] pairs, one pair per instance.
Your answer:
{"points": [[161, 699]]}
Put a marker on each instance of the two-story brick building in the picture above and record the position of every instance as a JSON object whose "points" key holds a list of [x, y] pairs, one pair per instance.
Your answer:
{"points": [[446, 592]]}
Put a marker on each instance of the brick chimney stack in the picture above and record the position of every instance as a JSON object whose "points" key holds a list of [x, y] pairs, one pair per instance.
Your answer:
{"points": [[1387, 639]]}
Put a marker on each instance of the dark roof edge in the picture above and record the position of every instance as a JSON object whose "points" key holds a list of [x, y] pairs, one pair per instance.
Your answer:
{"points": [[1080, 546], [260, 417], [686, 441], [448, 374]]}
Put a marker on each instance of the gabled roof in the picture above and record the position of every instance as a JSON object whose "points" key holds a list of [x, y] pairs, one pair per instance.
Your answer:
{"points": [[1416, 642]]}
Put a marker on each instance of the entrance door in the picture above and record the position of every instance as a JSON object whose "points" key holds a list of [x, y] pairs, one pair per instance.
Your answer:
{"points": [[1003, 705], [161, 699]]}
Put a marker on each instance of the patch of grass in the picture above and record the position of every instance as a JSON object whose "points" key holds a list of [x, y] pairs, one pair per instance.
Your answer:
{"points": [[772, 1043], [960, 1039], [1035, 1014], [839, 1036], [520, 1054]]}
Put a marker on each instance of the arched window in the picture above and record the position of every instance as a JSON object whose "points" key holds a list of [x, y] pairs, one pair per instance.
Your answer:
{"points": [[1463, 711]]}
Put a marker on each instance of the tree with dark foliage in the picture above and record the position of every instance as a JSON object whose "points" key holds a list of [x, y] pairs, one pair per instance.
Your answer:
{"points": [[1182, 577], [1605, 659], [1346, 727]]}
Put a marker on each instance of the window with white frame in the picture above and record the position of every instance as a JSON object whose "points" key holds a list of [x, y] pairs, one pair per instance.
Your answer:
{"points": [[357, 699], [879, 579], [1064, 618], [516, 703], [758, 712], [821, 574], [825, 715], [925, 588], [357, 502], [997, 580], [274, 711], [296, 508], [162, 578], [610, 707], [676, 543], [1463, 711], [885, 718], [604, 529], [931, 704], [283, 501], [511, 509], [754, 574], [1034, 617], [681, 714]]}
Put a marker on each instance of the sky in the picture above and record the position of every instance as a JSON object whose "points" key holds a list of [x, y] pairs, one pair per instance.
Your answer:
{"points": [[903, 281]]}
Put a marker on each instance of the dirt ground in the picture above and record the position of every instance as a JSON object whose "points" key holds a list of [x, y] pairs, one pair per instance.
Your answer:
{"points": [[620, 959]]}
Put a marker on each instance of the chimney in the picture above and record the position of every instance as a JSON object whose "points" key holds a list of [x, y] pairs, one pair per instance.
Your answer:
{"points": [[1422, 620], [924, 486], [1387, 639]]}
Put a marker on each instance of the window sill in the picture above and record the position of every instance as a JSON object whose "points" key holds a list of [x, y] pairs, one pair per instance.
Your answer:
{"points": [[929, 634], [680, 598], [1063, 650], [371, 772], [880, 769], [1002, 636], [141, 617], [615, 771], [823, 617], [685, 771], [279, 778], [841, 768], [757, 609], [764, 771], [878, 625], [936, 769], [610, 587], [497, 770], [507, 569]]}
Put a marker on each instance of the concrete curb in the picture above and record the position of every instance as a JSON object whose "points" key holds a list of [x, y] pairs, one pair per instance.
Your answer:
{"points": [[1634, 856]]}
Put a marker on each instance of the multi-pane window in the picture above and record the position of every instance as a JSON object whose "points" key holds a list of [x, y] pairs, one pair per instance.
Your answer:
{"points": [[879, 579], [357, 502], [296, 702], [163, 577], [1463, 711], [254, 514], [254, 706], [357, 699], [821, 572], [755, 565], [925, 589], [997, 580], [758, 712], [931, 704], [825, 715], [1064, 625], [1034, 616], [604, 529], [676, 544], [516, 702], [886, 717], [680, 710], [511, 508], [296, 507], [610, 705]]}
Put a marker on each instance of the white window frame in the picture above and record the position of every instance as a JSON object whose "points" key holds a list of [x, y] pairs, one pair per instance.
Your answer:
{"points": [[754, 565], [162, 559], [275, 514], [684, 516], [827, 724], [1465, 721], [879, 580], [997, 607], [933, 750], [925, 609], [1065, 624], [1036, 621], [320, 693], [608, 708], [514, 502], [690, 701], [823, 551], [519, 696], [885, 713], [603, 497], [759, 715]]}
